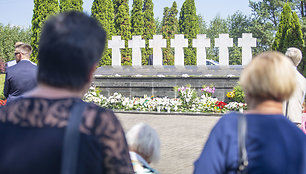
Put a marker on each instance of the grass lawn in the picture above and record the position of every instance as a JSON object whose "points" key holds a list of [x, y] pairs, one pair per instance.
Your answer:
{"points": [[2, 78]]}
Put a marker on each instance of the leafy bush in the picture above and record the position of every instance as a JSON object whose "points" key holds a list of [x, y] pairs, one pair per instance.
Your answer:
{"points": [[236, 95]]}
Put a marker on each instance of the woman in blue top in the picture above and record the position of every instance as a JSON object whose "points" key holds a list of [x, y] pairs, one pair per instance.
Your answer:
{"points": [[274, 145]]}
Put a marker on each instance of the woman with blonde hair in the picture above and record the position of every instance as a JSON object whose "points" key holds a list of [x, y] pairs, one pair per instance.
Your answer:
{"points": [[262, 140]]}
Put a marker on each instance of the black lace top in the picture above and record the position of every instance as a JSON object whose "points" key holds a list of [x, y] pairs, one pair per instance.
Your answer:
{"points": [[32, 131]]}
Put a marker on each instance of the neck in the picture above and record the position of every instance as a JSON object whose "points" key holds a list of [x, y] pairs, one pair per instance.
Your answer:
{"points": [[266, 107], [50, 92]]}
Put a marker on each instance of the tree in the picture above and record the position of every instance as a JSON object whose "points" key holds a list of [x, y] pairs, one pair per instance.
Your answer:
{"points": [[42, 10], [103, 11], [68, 5], [217, 26], [189, 26], [9, 35], [202, 25], [289, 32], [137, 18], [159, 25], [123, 27], [149, 29], [169, 29], [237, 24]]}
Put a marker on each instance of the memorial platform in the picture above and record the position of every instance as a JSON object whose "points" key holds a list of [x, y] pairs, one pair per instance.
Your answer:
{"points": [[159, 81]]}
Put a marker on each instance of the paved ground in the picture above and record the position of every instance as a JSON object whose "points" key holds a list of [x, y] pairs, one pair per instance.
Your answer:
{"points": [[182, 138]]}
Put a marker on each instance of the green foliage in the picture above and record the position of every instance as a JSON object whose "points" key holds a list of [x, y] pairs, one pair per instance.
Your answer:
{"points": [[302, 65], [158, 25], [2, 79], [237, 24], [189, 26], [137, 18], [42, 10], [9, 35], [149, 29], [289, 32], [216, 27], [103, 11], [202, 25], [70, 5], [239, 94], [169, 29], [123, 28]]}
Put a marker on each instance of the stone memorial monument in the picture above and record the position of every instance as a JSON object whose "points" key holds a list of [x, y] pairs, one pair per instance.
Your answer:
{"points": [[179, 43], [136, 44], [157, 44], [201, 43], [223, 42], [115, 44], [246, 42]]}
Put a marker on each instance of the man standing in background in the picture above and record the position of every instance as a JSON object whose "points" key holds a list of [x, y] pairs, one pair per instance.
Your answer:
{"points": [[293, 107], [21, 77]]}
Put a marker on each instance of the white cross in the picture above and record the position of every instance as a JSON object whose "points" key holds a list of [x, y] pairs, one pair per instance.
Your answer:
{"points": [[223, 42], [246, 42], [201, 43], [136, 44], [157, 44], [115, 44], [179, 43]]}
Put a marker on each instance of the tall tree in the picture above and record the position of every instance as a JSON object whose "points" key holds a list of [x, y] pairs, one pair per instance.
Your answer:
{"points": [[169, 29], [68, 5], [103, 11], [289, 31], [217, 26], [42, 10], [189, 26], [202, 25], [123, 28], [137, 18], [9, 35], [297, 40], [238, 23], [149, 29]]}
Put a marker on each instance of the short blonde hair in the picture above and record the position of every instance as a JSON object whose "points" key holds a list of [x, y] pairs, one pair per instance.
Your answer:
{"points": [[270, 75], [295, 55], [144, 140]]}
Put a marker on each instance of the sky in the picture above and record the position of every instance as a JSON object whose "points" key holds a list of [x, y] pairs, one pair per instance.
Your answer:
{"points": [[19, 12]]}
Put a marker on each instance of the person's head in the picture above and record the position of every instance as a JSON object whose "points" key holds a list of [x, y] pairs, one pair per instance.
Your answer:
{"points": [[144, 140], [18, 43], [22, 51], [269, 76], [295, 55], [70, 47]]}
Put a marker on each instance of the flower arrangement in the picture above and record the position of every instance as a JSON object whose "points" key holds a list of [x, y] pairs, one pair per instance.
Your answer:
{"points": [[187, 101], [208, 91]]}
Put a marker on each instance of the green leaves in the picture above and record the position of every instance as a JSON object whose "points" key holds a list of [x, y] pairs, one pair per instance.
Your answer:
{"points": [[9, 35], [189, 26], [103, 11], [69, 5], [42, 10]]}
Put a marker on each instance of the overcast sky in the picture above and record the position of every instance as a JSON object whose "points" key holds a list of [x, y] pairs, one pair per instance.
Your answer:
{"points": [[19, 12]]}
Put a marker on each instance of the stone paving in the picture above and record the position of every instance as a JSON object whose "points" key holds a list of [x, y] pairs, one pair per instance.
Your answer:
{"points": [[182, 138]]}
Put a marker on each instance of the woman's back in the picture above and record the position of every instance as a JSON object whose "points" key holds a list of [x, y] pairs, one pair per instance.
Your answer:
{"points": [[32, 131], [274, 145]]}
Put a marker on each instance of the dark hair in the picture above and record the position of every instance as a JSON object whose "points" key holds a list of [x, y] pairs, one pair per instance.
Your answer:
{"points": [[70, 45]]}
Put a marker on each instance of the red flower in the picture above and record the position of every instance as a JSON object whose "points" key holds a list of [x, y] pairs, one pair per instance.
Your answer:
{"points": [[220, 104], [2, 102]]}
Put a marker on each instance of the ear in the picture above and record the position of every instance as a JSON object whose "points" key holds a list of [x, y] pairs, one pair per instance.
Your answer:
{"points": [[92, 72]]}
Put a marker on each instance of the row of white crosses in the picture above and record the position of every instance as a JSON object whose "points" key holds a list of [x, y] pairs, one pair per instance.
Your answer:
{"points": [[179, 43]]}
